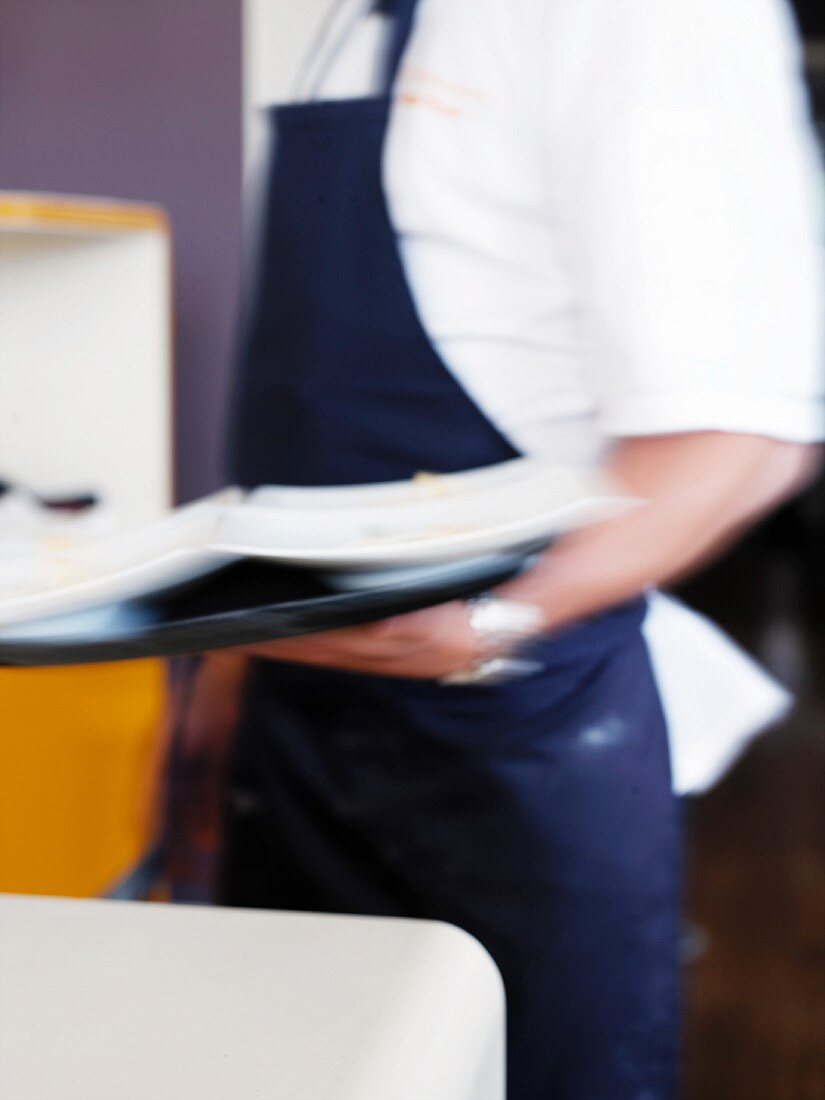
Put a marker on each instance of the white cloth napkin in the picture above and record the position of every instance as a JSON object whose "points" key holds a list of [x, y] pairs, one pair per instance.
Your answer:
{"points": [[716, 698]]}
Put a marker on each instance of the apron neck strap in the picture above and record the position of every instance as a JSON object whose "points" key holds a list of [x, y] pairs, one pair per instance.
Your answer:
{"points": [[402, 13]]}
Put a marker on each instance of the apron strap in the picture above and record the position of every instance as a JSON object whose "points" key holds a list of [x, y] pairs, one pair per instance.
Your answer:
{"points": [[402, 16], [402, 13]]}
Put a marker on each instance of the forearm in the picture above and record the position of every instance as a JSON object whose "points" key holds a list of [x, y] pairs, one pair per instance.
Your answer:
{"points": [[701, 491]]}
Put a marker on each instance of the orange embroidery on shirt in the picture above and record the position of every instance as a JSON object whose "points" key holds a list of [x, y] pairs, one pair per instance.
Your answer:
{"points": [[415, 72], [416, 99]]}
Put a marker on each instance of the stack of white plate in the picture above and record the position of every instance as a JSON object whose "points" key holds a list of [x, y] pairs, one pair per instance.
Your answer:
{"points": [[359, 536]]}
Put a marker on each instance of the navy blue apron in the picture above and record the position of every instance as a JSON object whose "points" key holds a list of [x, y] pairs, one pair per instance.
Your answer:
{"points": [[536, 814]]}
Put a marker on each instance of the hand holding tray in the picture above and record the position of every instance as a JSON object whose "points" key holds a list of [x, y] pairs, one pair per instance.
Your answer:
{"points": [[243, 568]]}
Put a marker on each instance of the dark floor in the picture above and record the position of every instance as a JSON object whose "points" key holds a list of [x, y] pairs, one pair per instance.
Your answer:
{"points": [[756, 863]]}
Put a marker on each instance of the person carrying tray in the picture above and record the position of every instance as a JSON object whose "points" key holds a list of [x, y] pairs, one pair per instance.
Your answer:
{"points": [[578, 229]]}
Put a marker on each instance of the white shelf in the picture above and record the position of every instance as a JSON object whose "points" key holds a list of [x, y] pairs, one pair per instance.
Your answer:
{"points": [[85, 349]]}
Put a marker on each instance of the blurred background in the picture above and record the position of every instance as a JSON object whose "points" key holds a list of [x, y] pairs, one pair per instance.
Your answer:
{"points": [[129, 143]]}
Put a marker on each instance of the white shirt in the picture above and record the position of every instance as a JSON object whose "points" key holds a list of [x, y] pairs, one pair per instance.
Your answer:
{"points": [[610, 216], [609, 211]]}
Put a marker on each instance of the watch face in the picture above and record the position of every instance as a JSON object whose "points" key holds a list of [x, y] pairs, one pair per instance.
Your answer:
{"points": [[505, 617]]}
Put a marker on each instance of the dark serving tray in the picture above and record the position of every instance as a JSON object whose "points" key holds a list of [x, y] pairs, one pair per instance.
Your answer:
{"points": [[244, 603]]}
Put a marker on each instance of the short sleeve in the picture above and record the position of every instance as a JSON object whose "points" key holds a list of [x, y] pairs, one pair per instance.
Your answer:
{"points": [[688, 192]]}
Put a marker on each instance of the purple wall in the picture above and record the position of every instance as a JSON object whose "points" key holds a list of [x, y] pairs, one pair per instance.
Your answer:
{"points": [[141, 99]]}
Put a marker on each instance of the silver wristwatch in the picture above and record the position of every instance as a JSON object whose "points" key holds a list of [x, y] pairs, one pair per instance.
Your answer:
{"points": [[500, 626]]}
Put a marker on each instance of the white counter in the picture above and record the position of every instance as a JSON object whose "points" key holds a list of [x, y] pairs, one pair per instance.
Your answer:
{"points": [[128, 1001]]}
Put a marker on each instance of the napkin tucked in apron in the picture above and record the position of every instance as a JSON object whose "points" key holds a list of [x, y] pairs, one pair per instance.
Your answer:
{"points": [[716, 698]]}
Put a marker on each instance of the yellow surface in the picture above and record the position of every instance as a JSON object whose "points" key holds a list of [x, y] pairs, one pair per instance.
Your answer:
{"points": [[30, 210], [74, 747]]}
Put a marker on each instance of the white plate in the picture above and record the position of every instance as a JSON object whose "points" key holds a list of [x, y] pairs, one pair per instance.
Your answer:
{"points": [[452, 521], [418, 576], [118, 567], [429, 521]]}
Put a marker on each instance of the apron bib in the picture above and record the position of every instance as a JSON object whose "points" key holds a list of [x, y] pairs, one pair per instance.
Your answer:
{"points": [[536, 814]]}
